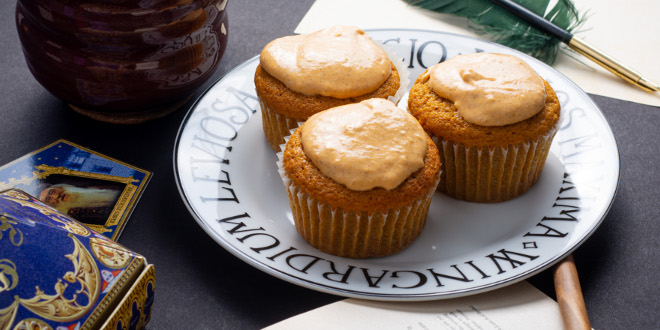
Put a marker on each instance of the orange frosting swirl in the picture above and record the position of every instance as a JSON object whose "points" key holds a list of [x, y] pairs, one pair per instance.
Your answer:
{"points": [[489, 89], [340, 62], [365, 145]]}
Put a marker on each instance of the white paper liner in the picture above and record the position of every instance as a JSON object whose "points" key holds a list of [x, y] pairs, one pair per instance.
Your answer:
{"points": [[404, 73], [354, 234], [277, 126], [484, 174]]}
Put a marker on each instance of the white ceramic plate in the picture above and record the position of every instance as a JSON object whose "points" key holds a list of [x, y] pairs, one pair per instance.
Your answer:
{"points": [[227, 177]]}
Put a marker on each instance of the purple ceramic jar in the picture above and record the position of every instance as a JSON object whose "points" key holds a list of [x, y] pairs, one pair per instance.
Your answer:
{"points": [[122, 61]]}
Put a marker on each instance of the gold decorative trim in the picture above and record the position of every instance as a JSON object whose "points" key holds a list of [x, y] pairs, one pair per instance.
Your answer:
{"points": [[110, 299], [8, 275], [138, 294], [32, 324], [58, 308], [15, 234], [98, 228], [8, 314], [17, 194], [110, 253]]}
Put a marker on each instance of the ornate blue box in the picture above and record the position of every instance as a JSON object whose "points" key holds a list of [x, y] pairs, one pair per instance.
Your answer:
{"points": [[55, 273]]}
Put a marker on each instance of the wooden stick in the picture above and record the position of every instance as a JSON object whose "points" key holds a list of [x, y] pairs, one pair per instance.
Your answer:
{"points": [[569, 295]]}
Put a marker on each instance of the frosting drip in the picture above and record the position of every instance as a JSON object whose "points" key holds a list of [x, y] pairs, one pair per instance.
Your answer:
{"points": [[489, 89], [365, 145], [339, 62]]}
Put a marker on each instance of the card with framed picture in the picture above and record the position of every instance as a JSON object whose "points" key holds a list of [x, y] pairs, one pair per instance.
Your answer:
{"points": [[99, 191]]}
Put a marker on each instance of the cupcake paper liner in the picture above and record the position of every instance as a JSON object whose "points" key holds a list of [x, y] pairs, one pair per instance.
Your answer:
{"points": [[404, 73], [354, 234], [485, 174], [276, 126]]}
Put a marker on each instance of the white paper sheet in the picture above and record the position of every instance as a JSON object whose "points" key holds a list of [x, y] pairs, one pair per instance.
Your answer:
{"points": [[519, 306], [626, 30]]}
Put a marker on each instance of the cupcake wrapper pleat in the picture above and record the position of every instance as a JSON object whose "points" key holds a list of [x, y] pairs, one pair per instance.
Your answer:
{"points": [[404, 73], [276, 126], [352, 234], [356, 234], [483, 174]]}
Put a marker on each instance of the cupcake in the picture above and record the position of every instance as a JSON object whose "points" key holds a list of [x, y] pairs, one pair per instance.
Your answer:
{"points": [[360, 178], [301, 75], [493, 120]]}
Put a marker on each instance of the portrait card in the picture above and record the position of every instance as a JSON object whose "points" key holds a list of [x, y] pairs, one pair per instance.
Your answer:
{"points": [[99, 191]]}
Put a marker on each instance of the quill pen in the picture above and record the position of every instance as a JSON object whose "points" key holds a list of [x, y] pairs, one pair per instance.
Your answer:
{"points": [[508, 29], [580, 46], [520, 25]]}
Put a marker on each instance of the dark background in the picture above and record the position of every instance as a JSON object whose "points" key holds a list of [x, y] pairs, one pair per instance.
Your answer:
{"points": [[200, 285]]}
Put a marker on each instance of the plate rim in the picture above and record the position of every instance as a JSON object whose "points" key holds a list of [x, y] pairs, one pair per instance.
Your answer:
{"points": [[391, 296]]}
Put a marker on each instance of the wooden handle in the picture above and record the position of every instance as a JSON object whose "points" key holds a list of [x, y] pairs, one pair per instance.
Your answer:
{"points": [[569, 295]]}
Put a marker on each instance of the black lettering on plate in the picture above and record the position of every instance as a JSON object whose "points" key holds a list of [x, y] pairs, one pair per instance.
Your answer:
{"points": [[461, 278], [343, 276], [370, 279], [303, 267], [505, 257], [276, 242], [420, 282]]}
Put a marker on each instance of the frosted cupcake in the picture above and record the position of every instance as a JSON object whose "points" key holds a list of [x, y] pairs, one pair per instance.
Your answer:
{"points": [[299, 76], [360, 179], [493, 120]]}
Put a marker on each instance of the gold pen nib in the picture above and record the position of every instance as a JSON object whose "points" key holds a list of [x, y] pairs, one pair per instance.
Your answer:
{"points": [[651, 86], [613, 65]]}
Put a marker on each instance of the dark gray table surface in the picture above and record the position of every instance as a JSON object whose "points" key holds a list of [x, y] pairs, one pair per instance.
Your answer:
{"points": [[200, 285]]}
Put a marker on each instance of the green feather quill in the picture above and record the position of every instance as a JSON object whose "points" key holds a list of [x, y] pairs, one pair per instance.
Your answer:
{"points": [[509, 30]]}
